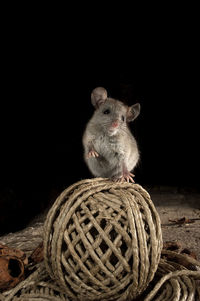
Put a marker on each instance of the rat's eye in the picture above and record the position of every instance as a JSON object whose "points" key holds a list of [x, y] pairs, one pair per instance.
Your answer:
{"points": [[106, 111], [123, 118]]}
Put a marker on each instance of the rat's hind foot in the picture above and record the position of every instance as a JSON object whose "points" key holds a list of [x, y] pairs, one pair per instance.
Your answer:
{"points": [[117, 179], [93, 154], [126, 177]]}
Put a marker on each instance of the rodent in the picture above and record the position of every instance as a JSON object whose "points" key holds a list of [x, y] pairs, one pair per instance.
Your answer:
{"points": [[110, 150]]}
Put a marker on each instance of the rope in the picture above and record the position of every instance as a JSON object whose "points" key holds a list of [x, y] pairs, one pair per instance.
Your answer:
{"points": [[38, 286], [175, 285], [104, 237]]}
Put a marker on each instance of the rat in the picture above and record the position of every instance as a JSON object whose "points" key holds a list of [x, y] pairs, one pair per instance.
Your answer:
{"points": [[110, 149]]}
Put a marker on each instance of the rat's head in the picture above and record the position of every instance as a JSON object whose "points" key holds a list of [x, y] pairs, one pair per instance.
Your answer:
{"points": [[111, 114]]}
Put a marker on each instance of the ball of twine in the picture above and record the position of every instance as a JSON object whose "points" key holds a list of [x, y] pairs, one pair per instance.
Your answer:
{"points": [[102, 240]]}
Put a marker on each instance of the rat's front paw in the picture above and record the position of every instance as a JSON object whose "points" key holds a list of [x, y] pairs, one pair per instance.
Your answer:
{"points": [[93, 154]]}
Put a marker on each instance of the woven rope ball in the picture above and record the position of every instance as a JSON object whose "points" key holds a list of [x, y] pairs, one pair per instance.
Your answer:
{"points": [[102, 240]]}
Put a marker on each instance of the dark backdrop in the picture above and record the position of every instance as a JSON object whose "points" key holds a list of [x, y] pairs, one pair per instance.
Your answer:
{"points": [[43, 115]]}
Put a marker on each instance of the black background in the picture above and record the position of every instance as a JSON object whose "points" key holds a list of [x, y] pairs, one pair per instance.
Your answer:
{"points": [[45, 106]]}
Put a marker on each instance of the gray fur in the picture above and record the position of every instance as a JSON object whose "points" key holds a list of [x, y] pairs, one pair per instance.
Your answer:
{"points": [[116, 146]]}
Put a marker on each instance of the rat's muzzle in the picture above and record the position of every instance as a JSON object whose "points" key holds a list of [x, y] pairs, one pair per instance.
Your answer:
{"points": [[115, 124]]}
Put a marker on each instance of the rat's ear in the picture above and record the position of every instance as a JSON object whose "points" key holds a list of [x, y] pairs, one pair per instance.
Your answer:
{"points": [[98, 96], [133, 112]]}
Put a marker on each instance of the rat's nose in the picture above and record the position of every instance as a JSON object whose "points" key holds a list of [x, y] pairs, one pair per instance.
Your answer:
{"points": [[115, 124]]}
